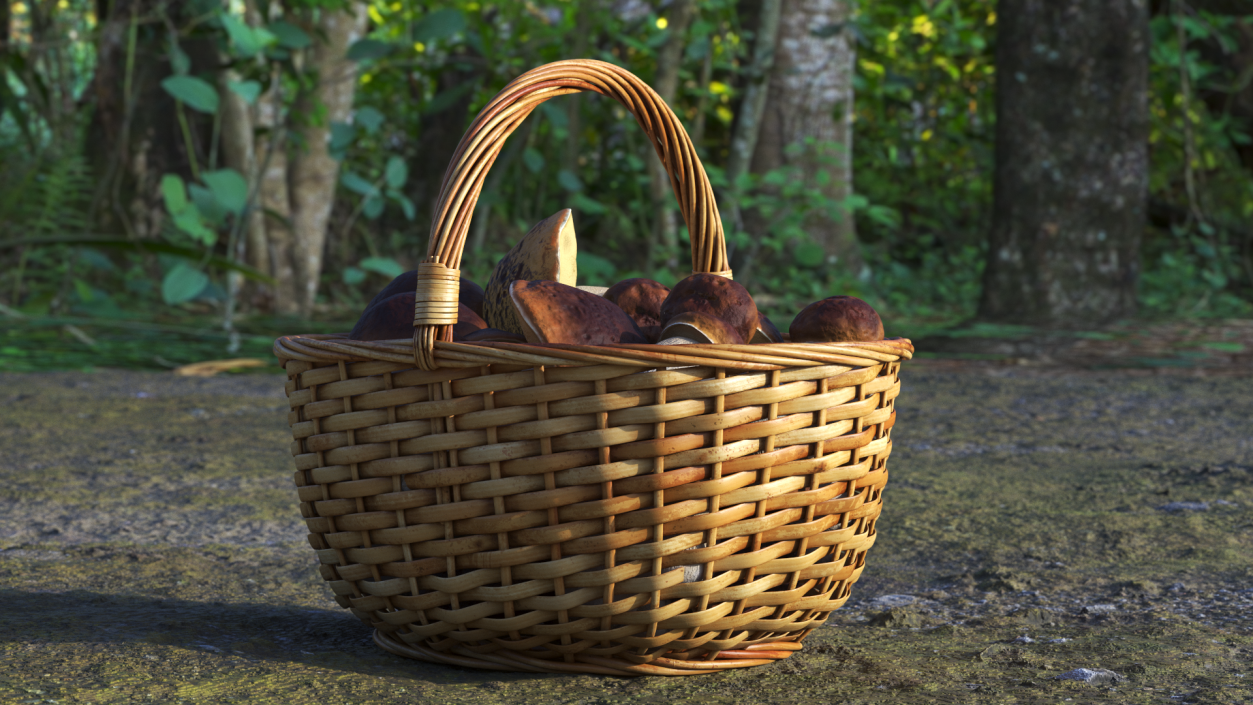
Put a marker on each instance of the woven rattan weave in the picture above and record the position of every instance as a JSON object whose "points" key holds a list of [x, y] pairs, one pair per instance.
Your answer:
{"points": [[625, 509]]}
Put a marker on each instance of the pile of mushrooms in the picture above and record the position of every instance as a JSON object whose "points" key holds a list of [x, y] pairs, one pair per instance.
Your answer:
{"points": [[533, 296]]}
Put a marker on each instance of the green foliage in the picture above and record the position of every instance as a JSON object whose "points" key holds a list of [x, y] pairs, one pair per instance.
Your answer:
{"points": [[197, 93], [1198, 256], [922, 156], [923, 150]]}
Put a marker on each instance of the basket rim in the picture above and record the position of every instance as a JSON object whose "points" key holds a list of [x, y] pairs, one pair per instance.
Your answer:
{"points": [[337, 347]]}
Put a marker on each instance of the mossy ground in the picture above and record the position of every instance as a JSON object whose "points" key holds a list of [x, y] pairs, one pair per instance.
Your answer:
{"points": [[151, 551]]}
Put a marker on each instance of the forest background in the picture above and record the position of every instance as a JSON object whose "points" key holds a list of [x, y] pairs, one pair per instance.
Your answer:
{"points": [[185, 180]]}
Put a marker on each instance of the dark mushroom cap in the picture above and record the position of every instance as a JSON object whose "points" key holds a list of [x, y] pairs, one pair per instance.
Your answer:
{"points": [[492, 335], [547, 252], [714, 295], [557, 313], [470, 294], [467, 322], [641, 299], [388, 319], [766, 331], [701, 328], [839, 319]]}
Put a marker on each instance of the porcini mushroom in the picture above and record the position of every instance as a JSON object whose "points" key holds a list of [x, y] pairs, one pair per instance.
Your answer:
{"points": [[838, 319], [552, 312], [641, 300], [700, 327], [492, 335], [467, 322], [766, 331], [389, 319], [716, 296], [470, 294], [547, 252]]}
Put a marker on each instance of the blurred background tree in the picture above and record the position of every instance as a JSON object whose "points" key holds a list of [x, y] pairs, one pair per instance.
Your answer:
{"points": [[235, 168]]}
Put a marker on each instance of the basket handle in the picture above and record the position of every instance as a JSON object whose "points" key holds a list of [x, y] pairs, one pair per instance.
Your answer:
{"points": [[439, 276]]}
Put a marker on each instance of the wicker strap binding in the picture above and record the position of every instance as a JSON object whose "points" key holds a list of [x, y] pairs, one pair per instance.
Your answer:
{"points": [[482, 143]]}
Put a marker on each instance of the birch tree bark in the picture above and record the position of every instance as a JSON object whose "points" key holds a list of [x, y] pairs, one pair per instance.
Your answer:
{"points": [[313, 172], [808, 119], [239, 152], [274, 201], [1070, 186]]}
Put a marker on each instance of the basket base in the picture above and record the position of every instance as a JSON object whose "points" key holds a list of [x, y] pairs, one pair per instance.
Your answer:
{"points": [[504, 660]]}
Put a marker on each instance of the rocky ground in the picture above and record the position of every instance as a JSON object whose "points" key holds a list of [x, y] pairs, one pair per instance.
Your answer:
{"points": [[1038, 521]]}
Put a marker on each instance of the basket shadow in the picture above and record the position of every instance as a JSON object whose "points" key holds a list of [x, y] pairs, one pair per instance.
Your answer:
{"points": [[233, 633]]}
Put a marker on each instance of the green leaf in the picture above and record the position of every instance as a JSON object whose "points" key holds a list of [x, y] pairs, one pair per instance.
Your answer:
{"points": [[405, 204], [355, 183], [533, 160], [809, 254], [248, 90], [180, 63], [190, 221], [289, 35], [353, 275], [174, 191], [445, 99], [440, 24], [241, 36], [83, 289], [397, 172], [1225, 346], [569, 180], [155, 246], [342, 136], [365, 49], [183, 283], [207, 204], [584, 204], [229, 188], [369, 118], [197, 93], [373, 207], [386, 266], [594, 268]]}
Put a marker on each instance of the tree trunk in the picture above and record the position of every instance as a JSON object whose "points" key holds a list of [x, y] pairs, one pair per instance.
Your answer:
{"points": [[274, 200], [810, 99], [1071, 176], [313, 172], [665, 240], [752, 106], [133, 138]]}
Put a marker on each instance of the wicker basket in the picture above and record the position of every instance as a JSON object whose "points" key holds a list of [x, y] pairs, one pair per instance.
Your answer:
{"points": [[623, 510]]}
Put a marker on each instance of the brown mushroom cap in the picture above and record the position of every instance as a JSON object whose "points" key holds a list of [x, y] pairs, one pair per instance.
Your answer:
{"points": [[766, 331], [557, 313], [547, 252], [470, 294], [714, 295], [388, 319], [492, 335], [467, 322], [839, 319], [701, 328], [641, 299]]}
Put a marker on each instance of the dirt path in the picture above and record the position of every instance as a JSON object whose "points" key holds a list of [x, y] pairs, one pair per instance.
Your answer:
{"points": [[150, 550]]}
